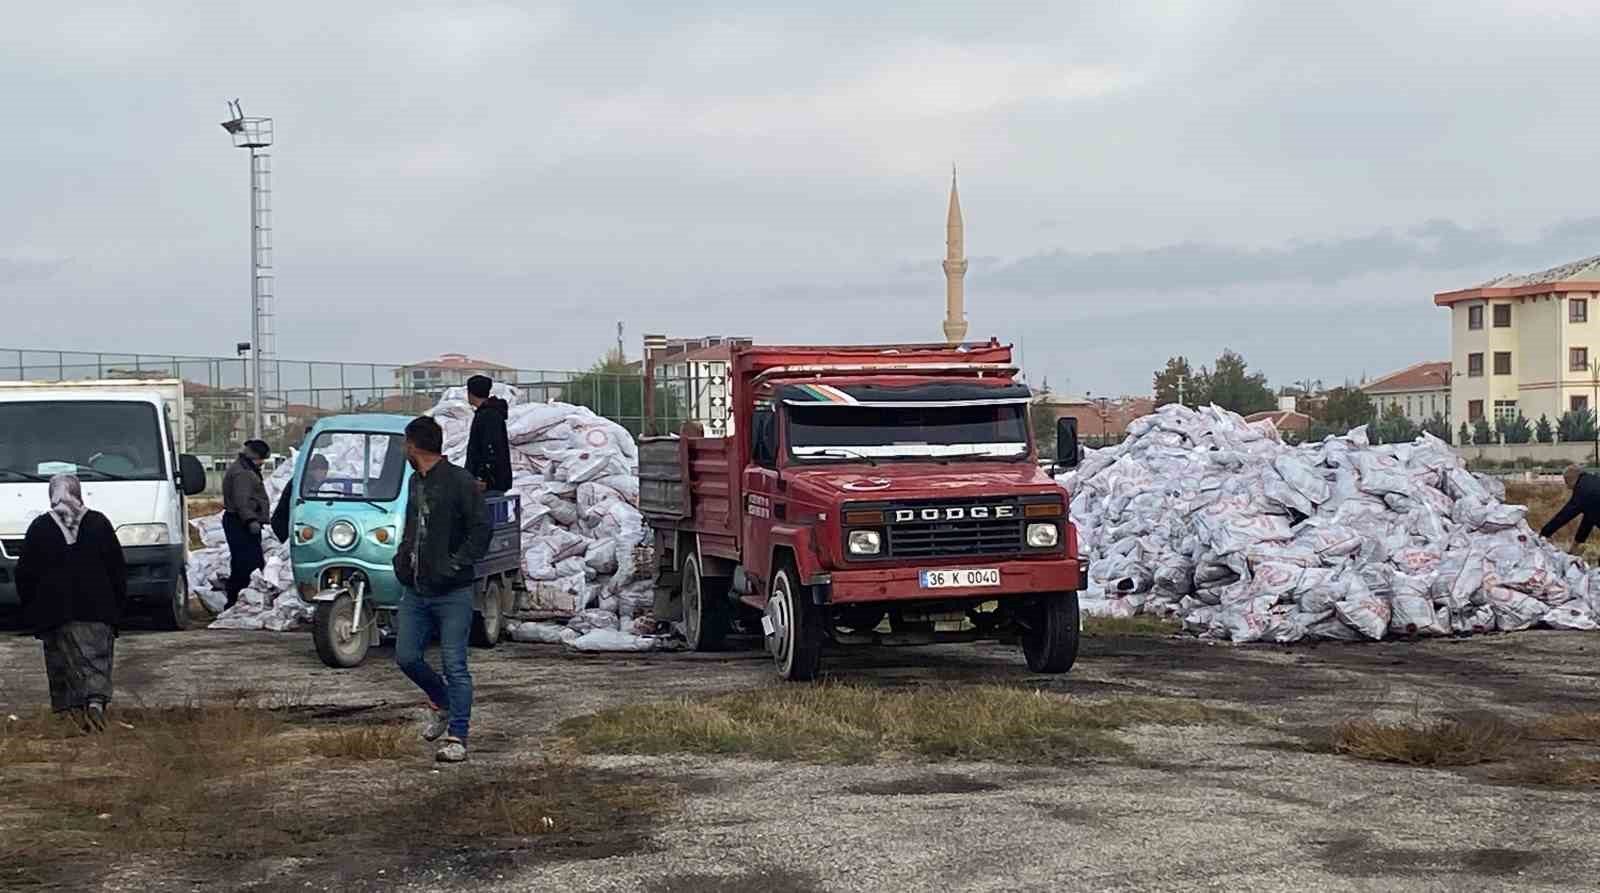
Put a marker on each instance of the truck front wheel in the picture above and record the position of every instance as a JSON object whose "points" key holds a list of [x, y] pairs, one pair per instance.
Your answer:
{"points": [[1050, 639], [794, 628], [705, 608]]}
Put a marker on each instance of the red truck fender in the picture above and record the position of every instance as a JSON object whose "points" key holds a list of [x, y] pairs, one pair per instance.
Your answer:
{"points": [[799, 541]]}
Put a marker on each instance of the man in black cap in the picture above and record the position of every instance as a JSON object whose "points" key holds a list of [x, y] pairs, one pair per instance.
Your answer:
{"points": [[488, 454], [245, 510]]}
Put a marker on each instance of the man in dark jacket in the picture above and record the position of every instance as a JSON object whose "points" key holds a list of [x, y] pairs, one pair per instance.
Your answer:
{"points": [[488, 454], [1585, 501], [245, 510], [446, 532], [316, 472]]}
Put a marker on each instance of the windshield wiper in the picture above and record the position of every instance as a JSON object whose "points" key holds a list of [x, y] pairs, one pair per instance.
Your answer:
{"points": [[842, 453], [105, 475], [25, 475]]}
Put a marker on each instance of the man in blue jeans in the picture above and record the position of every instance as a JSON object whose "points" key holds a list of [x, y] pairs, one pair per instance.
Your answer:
{"points": [[446, 532]]}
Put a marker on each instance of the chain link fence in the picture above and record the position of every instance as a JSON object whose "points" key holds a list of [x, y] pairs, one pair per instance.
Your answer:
{"points": [[220, 410]]}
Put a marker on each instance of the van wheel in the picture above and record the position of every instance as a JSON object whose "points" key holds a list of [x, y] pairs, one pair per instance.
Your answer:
{"points": [[705, 608], [488, 621], [339, 643], [795, 639], [173, 612], [1050, 642]]}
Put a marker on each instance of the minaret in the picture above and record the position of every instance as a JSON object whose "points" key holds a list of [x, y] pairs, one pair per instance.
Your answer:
{"points": [[955, 269]]}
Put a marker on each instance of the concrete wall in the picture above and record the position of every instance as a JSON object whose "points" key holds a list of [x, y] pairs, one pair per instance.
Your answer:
{"points": [[1580, 452]]}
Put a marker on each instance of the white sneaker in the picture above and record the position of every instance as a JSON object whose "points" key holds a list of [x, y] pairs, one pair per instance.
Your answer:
{"points": [[95, 715], [453, 751], [438, 724]]}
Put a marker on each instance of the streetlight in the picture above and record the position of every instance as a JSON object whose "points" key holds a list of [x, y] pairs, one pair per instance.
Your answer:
{"points": [[255, 134], [1594, 380]]}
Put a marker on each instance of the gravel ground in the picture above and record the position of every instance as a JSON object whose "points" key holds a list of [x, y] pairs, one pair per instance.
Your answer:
{"points": [[1215, 807]]}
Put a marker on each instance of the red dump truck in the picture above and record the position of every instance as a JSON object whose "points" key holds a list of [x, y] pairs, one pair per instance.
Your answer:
{"points": [[877, 494]]}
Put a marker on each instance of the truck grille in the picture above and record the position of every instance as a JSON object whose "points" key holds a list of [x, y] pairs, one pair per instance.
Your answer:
{"points": [[954, 538]]}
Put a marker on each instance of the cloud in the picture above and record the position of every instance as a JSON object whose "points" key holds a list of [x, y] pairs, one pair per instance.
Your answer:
{"points": [[1433, 246]]}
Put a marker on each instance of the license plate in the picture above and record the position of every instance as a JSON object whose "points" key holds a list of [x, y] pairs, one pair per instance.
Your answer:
{"points": [[960, 578]]}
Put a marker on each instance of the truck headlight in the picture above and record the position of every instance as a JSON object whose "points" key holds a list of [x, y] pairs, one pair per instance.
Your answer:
{"points": [[1043, 536], [142, 534], [341, 534], [865, 542]]}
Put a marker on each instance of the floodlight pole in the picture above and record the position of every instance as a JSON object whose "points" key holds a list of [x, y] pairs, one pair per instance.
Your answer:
{"points": [[255, 134]]}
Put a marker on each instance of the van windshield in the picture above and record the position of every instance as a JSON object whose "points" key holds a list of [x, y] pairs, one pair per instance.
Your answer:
{"points": [[98, 440], [977, 430], [354, 465]]}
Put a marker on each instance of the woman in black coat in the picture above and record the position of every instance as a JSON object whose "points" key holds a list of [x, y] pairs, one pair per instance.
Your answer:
{"points": [[73, 584]]}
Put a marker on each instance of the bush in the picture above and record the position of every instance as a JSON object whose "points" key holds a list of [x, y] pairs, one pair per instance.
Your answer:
{"points": [[1481, 433], [1543, 432], [1439, 428], [1576, 426], [1514, 430]]}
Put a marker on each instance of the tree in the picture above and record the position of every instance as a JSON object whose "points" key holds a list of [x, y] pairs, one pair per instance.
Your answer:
{"points": [[1346, 408], [1514, 429], [1464, 437], [1394, 427], [1043, 421], [1232, 386], [1438, 427], [615, 389], [1166, 383], [1543, 432], [1576, 425]]}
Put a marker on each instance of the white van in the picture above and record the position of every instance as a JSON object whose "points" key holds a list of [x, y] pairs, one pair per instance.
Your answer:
{"points": [[121, 438]]}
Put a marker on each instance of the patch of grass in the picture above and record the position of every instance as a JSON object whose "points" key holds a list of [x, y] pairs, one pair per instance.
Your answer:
{"points": [[850, 724], [213, 783], [1575, 726], [360, 743], [1137, 625], [1455, 741], [1554, 771]]}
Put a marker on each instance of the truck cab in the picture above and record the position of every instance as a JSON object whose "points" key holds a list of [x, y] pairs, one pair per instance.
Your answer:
{"points": [[875, 495]]}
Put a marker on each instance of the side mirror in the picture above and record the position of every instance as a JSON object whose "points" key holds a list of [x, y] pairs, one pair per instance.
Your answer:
{"points": [[191, 475], [1067, 442]]}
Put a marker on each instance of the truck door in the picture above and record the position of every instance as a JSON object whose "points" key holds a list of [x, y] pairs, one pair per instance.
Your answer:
{"points": [[762, 501]]}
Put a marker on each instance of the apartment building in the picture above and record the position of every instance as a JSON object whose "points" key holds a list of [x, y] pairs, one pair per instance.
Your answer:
{"points": [[1524, 344]]}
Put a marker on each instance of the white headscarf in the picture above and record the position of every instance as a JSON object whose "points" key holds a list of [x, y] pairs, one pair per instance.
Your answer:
{"points": [[66, 505]]}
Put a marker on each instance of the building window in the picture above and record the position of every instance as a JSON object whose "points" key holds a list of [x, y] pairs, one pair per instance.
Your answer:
{"points": [[1502, 316], [1475, 316], [1578, 310], [1474, 365], [1578, 403], [1502, 362], [1505, 410], [1474, 410], [1578, 359]]}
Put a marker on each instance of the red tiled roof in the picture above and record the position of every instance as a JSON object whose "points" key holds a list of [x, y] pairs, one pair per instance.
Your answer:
{"points": [[1420, 377], [1282, 419], [456, 361]]}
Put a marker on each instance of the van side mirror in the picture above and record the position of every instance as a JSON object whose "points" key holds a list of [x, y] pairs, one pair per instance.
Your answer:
{"points": [[191, 475], [1067, 442]]}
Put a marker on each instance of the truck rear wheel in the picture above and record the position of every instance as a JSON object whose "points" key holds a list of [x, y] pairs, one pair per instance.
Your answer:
{"points": [[1050, 643], [795, 628], [705, 608]]}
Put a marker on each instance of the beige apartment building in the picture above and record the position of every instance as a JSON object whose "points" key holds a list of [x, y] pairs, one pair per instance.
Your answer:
{"points": [[1524, 343]]}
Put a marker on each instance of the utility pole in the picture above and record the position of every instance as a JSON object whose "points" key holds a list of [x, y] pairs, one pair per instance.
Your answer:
{"points": [[255, 134], [1181, 380], [620, 354], [1594, 379]]}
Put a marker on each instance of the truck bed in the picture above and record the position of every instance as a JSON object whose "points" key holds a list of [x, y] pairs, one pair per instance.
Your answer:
{"points": [[505, 539], [687, 483]]}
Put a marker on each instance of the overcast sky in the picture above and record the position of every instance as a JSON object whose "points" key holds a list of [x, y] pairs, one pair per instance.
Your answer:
{"points": [[1291, 180]]}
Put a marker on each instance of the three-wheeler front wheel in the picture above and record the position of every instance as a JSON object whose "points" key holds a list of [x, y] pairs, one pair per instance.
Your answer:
{"points": [[339, 643]]}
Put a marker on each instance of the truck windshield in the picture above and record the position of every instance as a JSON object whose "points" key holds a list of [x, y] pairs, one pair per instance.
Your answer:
{"points": [[354, 465], [949, 431], [98, 440]]}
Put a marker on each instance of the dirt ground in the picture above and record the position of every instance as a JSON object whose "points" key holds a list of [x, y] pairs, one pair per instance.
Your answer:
{"points": [[1211, 807]]}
